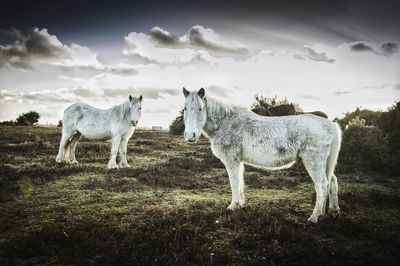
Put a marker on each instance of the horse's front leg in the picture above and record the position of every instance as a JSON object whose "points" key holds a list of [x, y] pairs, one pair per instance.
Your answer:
{"points": [[116, 140], [236, 181], [123, 148]]}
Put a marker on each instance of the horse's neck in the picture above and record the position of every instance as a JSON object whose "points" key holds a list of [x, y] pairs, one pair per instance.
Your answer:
{"points": [[120, 111], [216, 116]]}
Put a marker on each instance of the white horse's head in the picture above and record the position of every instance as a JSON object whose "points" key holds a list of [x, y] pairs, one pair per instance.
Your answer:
{"points": [[135, 109], [195, 114]]}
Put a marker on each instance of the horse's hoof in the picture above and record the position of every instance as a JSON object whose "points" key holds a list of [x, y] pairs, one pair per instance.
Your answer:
{"points": [[309, 224], [232, 206], [312, 220], [334, 212], [124, 166], [73, 162], [58, 160], [113, 167]]}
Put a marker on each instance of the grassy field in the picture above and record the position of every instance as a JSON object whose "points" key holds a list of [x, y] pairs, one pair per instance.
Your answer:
{"points": [[170, 208]]}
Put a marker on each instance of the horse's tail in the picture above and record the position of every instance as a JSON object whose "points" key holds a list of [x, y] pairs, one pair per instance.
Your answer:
{"points": [[334, 152]]}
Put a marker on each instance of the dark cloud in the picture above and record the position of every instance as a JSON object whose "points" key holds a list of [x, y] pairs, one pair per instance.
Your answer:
{"points": [[39, 45], [61, 95], [360, 47], [299, 56], [164, 38], [376, 87], [317, 56], [28, 46], [83, 92], [13, 33], [386, 49], [389, 48], [5, 94], [150, 93], [383, 87], [46, 98], [36, 96], [310, 97], [123, 70], [219, 91], [199, 39], [338, 93]]}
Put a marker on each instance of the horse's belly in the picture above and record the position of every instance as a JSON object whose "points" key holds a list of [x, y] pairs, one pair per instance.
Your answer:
{"points": [[266, 157], [94, 134]]}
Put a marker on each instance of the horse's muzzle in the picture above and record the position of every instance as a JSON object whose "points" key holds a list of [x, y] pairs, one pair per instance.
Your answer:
{"points": [[190, 137], [134, 123]]}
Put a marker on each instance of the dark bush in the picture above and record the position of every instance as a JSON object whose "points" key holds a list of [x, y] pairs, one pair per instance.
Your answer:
{"points": [[22, 121], [267, 102], [7, 123], [177, 126], [363, 147], [28, 119], [371, 118]]}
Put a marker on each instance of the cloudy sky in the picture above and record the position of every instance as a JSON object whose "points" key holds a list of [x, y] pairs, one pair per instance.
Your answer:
{"points": [[326, 55]]}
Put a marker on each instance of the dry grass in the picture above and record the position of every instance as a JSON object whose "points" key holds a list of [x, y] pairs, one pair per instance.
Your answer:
{"points": [[169, 209]]}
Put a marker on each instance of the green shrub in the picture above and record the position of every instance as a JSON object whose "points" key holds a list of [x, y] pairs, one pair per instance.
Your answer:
{"points": [[177, 126], [363, 147], [371, 118]]}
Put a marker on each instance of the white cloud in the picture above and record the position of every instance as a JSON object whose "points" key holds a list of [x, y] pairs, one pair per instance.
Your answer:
{"points": [[161, 46], [172, 62]]}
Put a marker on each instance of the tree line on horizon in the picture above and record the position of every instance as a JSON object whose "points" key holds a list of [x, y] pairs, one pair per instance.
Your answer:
{"points": [[25, 119], [370, 141]]}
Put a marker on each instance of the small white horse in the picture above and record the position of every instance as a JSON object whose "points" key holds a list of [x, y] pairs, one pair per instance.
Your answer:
{"points": [[117, 123], [239, 136]]}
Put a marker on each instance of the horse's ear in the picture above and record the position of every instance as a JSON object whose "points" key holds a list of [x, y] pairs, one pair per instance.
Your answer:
{"points": [[140, 98], [130, 98], [186, 92], [201, 93]]}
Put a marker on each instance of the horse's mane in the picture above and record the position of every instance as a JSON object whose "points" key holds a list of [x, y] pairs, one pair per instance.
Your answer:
{"points": [[218, 109], [120, 110]]}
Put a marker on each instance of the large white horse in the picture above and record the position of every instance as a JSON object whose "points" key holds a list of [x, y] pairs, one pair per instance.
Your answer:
{"points": [[239, 136], [117, 123]]}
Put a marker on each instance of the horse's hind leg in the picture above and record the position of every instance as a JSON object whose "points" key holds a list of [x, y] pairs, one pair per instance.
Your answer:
{"points": [[72, 146], [63, 150], [315, 165], [333, 196]]}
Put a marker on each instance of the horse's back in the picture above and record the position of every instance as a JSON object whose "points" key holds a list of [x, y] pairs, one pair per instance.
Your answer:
{"points": [[300, 128], [276, 141], [81, 107], [80, 110]]}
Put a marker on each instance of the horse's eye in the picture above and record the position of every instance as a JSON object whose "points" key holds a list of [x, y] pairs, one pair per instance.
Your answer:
{"points": [[199, 109], [140, 108], [184, 109]]}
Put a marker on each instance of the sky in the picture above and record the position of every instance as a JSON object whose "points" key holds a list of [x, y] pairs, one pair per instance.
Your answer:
{"points": [[331, 56]]}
